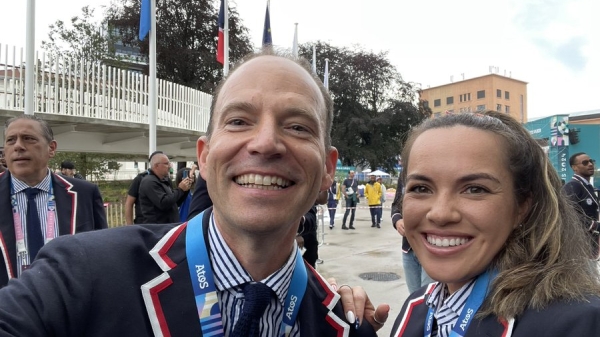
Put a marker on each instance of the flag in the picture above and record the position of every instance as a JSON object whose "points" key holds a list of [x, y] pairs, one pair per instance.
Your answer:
{"points": [[326, 76], [295, 44], [267, 38], [144, 19], [221, 42]]}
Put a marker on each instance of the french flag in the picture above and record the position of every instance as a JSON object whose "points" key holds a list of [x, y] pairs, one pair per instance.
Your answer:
{"points": [[221, 42]]}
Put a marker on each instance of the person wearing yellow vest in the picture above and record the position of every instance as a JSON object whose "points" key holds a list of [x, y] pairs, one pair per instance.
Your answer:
{"points": [[373, 195]]}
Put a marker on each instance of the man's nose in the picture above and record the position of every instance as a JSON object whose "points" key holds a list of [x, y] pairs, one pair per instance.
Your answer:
{"points": [[267, 139]]}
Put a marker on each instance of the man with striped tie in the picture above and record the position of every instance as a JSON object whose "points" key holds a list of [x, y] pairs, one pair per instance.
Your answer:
{"points": [[38, 205]]}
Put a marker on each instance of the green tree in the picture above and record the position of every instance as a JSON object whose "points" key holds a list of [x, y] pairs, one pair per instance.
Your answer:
{"points": [[83, 40], [374, 108], [91, 165], [186, 38]]}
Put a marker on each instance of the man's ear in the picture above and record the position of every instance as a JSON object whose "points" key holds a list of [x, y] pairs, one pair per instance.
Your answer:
{"points": [[202, 153], [330, 165], [52, 148]]}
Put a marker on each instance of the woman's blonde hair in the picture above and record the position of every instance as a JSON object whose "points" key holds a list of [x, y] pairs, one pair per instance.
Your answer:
{"points": [[546, 257]]}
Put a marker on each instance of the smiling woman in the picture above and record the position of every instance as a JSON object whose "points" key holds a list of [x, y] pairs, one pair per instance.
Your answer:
{"points": [[492, 227]]}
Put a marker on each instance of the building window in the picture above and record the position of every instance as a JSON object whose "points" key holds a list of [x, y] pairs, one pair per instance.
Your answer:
{"points": [[507, 109], [481, 107], [506, 95], [468, 99], [426, 104], [464, 110], [499, 107], [437, 102], [449, 100], [481, 94], [465, 97], [498, 93]]}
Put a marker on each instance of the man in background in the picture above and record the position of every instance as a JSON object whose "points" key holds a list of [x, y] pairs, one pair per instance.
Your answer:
{"points": [[132, 202], [580, 190], [158, 200], [45, 204], [332, 201], [350, 192], [67, 169]]}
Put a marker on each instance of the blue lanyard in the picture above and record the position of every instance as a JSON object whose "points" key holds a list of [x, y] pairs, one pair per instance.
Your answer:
{"points": [[205, 292], [468, 312]]}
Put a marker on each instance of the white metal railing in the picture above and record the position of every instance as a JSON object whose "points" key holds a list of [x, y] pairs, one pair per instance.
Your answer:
{"points": [[84, 89]]}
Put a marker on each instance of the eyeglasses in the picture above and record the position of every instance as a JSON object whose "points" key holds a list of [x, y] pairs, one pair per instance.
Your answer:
{"points": [[586, 162]]}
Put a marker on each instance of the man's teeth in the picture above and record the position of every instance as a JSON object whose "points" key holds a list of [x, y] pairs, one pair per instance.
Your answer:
{"points": [[262, 182], [446, 242]]}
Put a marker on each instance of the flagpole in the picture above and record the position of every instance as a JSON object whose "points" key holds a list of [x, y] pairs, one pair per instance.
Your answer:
{"points": [[326, 75], [152, 92], [314, 63], [29, 57], [295, 44], [226, 42]]}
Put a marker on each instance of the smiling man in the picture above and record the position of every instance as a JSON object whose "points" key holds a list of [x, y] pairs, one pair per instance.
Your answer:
{"points": [[44, 205], [233, 270]]}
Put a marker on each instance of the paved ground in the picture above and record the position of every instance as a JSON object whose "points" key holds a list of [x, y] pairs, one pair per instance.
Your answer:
{"points": [[349, 253]]}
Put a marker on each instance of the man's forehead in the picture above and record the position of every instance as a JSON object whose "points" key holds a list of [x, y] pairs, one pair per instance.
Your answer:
{"points": [[24, 125], [267, 65]]}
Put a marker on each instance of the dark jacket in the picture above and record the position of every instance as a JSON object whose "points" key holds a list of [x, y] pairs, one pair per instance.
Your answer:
{"points": [[134, 191], [397, 214], [159, 201], [587, 204], [79, 208], [133, 281], [584, 196], [200, 199], [559, 319]]}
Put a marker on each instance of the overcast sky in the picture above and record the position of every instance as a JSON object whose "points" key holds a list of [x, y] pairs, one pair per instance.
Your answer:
{"points": [[551, 44]]}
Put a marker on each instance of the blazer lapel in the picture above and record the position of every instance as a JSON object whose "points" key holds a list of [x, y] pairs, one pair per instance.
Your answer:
{"points": [[320, 314], [66, 205], [8, 248], [169, 298]]}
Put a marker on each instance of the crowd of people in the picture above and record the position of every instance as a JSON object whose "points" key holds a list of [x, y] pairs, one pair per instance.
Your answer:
{"points": [[493, 243]]}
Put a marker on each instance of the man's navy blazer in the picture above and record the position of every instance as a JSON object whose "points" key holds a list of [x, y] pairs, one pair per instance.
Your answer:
{"points": [[133, 281], [559, 319], [79, 208]]}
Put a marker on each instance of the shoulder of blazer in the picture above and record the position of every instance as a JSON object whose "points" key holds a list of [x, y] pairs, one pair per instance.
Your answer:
{"points": [[412, 309]]}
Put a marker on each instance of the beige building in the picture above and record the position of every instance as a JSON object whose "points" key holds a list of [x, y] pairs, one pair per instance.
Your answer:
{"points": [[489, 92]]}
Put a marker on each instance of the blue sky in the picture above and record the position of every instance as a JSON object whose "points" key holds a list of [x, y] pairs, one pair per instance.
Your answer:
{"points": [[551, 44]]}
